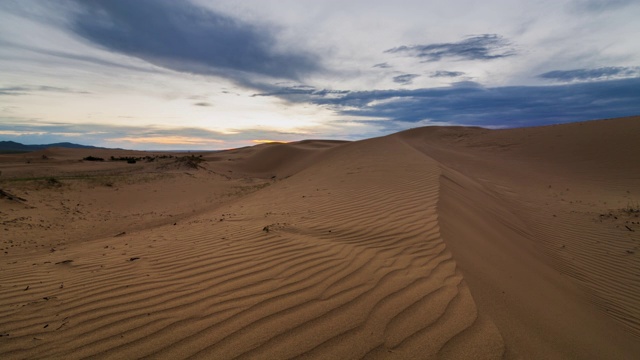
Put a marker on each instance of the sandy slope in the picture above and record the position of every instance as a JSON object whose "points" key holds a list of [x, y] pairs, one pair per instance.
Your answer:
{"points": [[435, 242], [563, 190]]}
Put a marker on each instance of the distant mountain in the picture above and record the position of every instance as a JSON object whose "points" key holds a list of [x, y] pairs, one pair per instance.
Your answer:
{"points": [[12, 146]]}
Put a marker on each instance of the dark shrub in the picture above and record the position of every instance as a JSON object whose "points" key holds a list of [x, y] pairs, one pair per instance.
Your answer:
{"points": [[93, 158]]}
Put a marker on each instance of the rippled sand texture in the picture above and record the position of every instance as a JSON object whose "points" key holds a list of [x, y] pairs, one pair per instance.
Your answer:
{"points": [[458, 243]]}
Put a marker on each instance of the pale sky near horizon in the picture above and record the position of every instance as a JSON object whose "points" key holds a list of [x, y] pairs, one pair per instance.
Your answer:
{"points": [[204, 74]]}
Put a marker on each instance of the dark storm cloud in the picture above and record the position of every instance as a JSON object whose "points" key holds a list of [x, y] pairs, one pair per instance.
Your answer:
{"points": [[470, 104], [405, 79], [591, 74], [442, 73], [480, 47], [183, 37]]}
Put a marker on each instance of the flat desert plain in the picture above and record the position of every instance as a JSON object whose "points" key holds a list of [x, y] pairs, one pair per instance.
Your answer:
{"points": [[436, 242]]}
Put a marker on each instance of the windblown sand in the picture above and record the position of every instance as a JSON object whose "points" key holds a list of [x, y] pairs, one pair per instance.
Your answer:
{"points": [[443, 242]]}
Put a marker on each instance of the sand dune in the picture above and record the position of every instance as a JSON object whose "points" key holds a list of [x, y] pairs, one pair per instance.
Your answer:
{"points": [[568, 190], [276, 160], [431, 243]]}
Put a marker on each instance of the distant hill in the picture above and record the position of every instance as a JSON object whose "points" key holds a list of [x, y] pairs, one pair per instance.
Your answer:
{"points": [[12, 146]]}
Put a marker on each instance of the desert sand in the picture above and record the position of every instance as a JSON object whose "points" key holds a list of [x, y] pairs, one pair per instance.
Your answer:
{"points": [[436, 242]]}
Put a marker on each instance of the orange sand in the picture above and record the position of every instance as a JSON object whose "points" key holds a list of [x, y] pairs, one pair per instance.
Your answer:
{"points": [[431, 243]]}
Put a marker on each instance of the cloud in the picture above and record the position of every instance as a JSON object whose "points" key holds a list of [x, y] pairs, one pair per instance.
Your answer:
{"points": [[442, 73], [479, 47], [59, 89], [465, 84], [14, 91], [591, 74], [26, 90], [20, 133], [512, 106], [168, 140], [138, 58], [35, 131], [300, 93], [203, 103], [183, 37], [599, 5], [383, 65], [378, 111], [76, 57], [405, 79]]}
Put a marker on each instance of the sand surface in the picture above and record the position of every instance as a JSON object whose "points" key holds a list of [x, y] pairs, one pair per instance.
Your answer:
{"points": [[448, 242]]}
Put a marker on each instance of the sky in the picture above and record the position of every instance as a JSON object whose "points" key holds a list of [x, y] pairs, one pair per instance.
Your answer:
{"points": [[217, 74]]}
